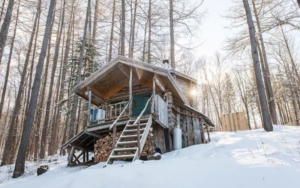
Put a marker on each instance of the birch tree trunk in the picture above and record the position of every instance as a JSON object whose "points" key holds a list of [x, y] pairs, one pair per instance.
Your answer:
{"points": [[267, 122]]}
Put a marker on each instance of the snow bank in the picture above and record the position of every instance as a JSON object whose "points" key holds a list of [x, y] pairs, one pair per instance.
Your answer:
{"points": [[240, 159]]}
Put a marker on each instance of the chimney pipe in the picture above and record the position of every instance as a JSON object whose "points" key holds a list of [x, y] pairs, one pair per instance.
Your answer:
{"points": [[166, 64]]}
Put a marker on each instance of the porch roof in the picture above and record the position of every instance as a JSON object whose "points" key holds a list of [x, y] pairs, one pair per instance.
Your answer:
{"points": [[114, 76]]}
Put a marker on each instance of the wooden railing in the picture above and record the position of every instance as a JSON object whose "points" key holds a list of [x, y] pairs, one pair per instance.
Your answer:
{"points": [[110, 112]]}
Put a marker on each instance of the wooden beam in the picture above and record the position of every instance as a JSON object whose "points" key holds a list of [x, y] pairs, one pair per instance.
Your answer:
{"points": [[71, 155], [96, 93], [90, 142], [116, 89], [93, 134], [130, 93], [98, 99], [120, 66], [159, 83], [89, 108], [153, 100]]}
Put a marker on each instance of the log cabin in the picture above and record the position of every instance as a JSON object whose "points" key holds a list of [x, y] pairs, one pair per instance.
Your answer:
{"points": [[135, 103]]}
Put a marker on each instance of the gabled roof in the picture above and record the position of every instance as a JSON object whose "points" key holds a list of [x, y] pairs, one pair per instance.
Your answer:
{"points": [[114, 76]]}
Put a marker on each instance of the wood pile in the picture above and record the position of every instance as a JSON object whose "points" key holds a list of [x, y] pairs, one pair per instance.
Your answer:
{"points": [[103, 147]]}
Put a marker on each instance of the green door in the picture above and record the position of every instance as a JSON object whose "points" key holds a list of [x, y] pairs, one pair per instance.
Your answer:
{"points": [[139, 102]]}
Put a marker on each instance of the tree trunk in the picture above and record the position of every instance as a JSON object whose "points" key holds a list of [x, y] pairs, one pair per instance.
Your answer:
{"points": [[2, 10], [266, 70], [112, 31], [95, 22], [172, 37], [5, 26], [8, 65], [47, 123], [149, 32], [64, 71], [132, 36], [144, 43], [11, 140], [123, 29], [75, 102], [20, 162], [267, 122]]}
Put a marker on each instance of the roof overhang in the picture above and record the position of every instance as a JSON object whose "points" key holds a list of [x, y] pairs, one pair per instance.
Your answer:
{"points": [[114, 76]]}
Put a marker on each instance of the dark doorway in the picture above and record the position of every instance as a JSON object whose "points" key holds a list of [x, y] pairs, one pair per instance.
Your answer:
{"points": [[139, 102]]}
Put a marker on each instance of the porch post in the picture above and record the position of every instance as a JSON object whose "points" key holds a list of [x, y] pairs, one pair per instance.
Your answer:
{"points": [[130, 93], [89, 107], [153, 99]]}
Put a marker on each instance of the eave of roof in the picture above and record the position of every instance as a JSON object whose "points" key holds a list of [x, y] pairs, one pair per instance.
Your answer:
{"points": [[133, 63]]}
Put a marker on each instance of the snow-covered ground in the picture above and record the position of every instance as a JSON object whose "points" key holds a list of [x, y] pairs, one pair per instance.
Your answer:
{"points": [[254, 159]]}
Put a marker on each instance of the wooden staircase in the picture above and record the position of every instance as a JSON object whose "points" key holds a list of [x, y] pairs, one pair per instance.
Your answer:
{"points": [[128, 146]]}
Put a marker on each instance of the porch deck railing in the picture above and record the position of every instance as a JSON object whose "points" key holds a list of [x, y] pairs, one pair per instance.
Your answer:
{"points": [[109, 112]]}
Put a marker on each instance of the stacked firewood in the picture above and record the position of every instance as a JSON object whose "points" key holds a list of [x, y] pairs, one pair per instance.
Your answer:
{"points": [[103, 147], [147, 150]]}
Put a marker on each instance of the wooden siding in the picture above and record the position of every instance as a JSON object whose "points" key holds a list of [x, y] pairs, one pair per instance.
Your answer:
{"points": [[234, 122], [161, 110], [192, 128]]}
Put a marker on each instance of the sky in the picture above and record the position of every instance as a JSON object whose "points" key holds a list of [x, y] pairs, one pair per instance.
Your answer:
{"points": [[213, 32]]}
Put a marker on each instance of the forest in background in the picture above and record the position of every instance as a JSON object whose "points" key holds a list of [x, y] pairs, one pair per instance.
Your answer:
{"points": [[85, 35]]}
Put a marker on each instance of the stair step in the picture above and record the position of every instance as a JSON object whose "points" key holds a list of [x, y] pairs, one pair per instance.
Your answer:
{"points": [[141, 125], [125, 149], [127, 142], [132, 130], [142, 119], [131, 136], [122, 156]]}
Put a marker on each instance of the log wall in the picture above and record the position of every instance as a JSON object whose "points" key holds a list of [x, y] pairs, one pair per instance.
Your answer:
{"points": [[192, 128]]}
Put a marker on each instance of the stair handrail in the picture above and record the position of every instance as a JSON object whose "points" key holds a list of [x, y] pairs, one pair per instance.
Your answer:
{"points": [[115, 122], [139, 117], [137, 122], [113, 126]]}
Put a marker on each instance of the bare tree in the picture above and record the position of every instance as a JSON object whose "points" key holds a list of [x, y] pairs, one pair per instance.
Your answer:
{"points": [[5, 26], [11, 139], [80, 63], [8, 64], [112, 31], [20, 162], [122, 29], [267, 122]]}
